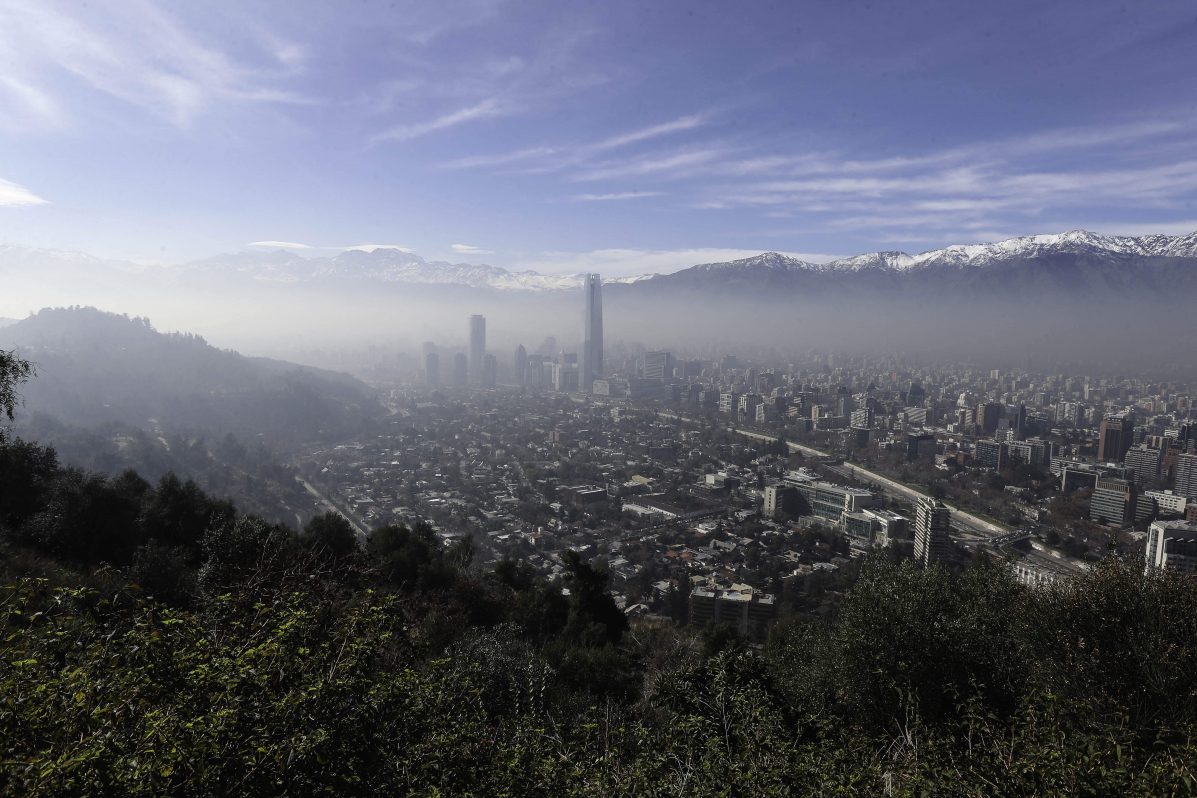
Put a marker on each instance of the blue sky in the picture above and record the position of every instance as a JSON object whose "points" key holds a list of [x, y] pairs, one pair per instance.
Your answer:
{"points": [[618, 136]]}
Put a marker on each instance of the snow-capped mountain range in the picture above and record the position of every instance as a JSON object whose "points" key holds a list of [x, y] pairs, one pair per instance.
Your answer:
{"points": [[1075, 242], [399, 267]]}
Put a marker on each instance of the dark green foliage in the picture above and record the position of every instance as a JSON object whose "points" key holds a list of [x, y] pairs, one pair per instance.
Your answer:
{"points": [[410, 558], [303, 694], [245, 552], [177, 513], [164, 573], [909, 639], [27, 471], [88, 519], [84, 518], [534, 605], [593, 618], [13, 371], [1122, 642], [330, 535]]}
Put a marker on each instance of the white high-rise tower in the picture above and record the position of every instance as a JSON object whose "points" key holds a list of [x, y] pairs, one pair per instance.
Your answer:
{"points": [[592, 345], [477, 347]]}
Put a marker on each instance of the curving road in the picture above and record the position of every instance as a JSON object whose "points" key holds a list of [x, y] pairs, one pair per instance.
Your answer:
{"points": [[959, 517]]}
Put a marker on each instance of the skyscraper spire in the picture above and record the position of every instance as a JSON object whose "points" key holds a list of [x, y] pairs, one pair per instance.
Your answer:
{"points": [[592, 345]]}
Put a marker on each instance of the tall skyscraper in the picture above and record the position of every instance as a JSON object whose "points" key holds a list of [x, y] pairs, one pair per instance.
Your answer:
{"points": [[932, 531], [432, 365], [1145, 462], [521, 365], [537, 378], [477, 347], [1115, 500], [591, 367], [1186, 475], [432, 369], [658, 365], [988, 416], [1115, 438]]}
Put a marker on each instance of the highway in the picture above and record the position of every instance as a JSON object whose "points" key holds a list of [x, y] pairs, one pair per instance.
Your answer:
{"points": [[965, 521], [960, 518], [361, 531]]}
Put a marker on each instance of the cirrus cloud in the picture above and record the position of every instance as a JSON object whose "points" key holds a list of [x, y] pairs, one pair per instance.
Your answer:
{"points": [[12, 194], [279, 244], [619, 195], [470, 249]]}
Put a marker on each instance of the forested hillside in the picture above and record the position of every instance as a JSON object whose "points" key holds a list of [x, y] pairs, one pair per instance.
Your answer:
{"points": [[94, 368]]}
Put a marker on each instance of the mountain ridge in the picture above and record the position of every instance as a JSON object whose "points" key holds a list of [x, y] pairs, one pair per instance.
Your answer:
{"points": [[94, 367], [400, 267]]}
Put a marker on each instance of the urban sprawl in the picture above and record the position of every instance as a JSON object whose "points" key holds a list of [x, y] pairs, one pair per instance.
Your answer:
{"points": [[716, 489]]}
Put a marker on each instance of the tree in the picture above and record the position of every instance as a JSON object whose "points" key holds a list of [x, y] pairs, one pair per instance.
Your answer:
{"points": [[410, 558], [13, 372], [593, 617], [244, 551], [27, 472], [85, 519], [178, 513], [331, 535]]}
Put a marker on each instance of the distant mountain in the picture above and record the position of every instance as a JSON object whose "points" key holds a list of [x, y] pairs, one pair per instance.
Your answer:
{"points": [[382, 265], [1083, 255], [1077, 259], [6, 322], [1077, 263], [95, 368]]}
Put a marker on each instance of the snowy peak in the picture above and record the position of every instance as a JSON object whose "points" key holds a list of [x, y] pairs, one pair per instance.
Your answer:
{"points": [[1073, 242], [771, 261], [871, 260]]}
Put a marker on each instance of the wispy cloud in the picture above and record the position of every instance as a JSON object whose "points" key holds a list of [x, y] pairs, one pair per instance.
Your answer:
{"points": [[982, 186], [372, 247], [470, 249], [406, 132], [279, 245], [29, 103], [653, 131], [500, 159], [1178, 228], [622, 195], [671, 164], [556, 158], [354, 248], [12, 195], [134, 52]]}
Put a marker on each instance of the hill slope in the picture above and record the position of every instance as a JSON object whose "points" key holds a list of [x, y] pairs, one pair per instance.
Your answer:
{"points": [[95, 367]]}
